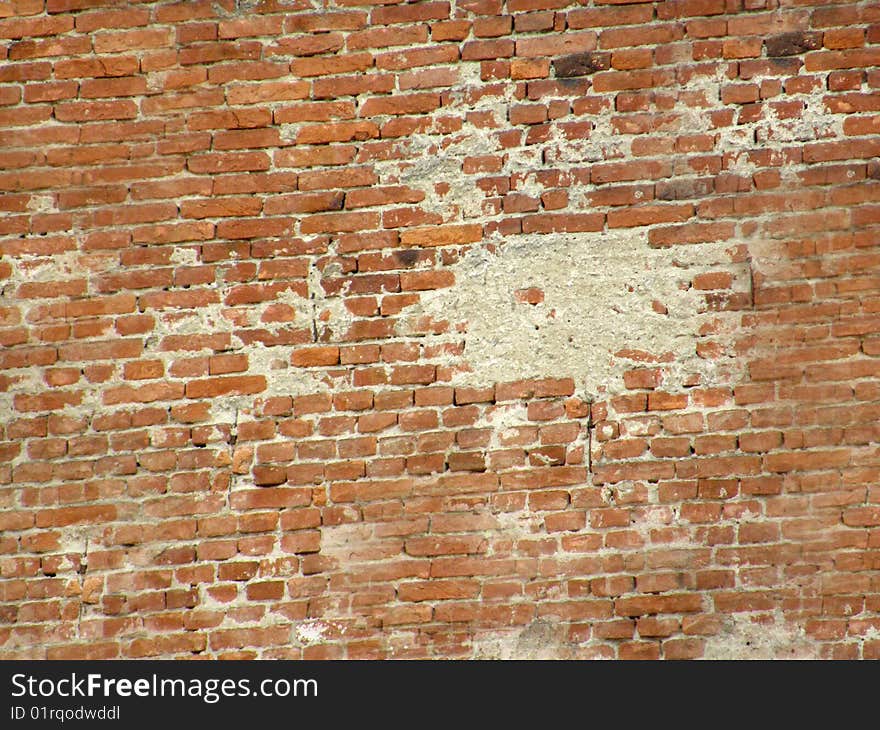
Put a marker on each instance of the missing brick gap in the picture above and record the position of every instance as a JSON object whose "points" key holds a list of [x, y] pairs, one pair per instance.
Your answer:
{"points": [[231, 441], [314, 282], [81, 573], [233, 432], [589, 448], [752, 273], [84, 561]]}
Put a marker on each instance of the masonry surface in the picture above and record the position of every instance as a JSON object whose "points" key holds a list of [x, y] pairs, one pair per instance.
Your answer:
{"points": [[448, 329]]}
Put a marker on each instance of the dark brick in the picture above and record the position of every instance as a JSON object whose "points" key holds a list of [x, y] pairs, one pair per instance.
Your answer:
{"points": [[792, 44], [581, 64]]}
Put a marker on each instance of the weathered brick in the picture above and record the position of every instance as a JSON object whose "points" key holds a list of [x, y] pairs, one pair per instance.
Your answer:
{"points": [[581, 64], [305, 320], [793, 43]]}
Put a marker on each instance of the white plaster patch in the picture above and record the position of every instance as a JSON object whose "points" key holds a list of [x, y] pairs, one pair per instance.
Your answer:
{"points": [[743, 637], [343, 541], [599, 290], [42, 204], [311, 632], [187, 256], [541, 639]]}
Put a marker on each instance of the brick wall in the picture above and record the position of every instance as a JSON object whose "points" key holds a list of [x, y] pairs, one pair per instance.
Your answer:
{"points": [[467, 328]]}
